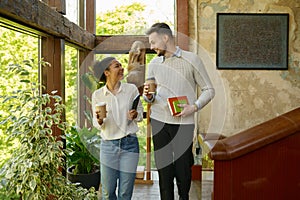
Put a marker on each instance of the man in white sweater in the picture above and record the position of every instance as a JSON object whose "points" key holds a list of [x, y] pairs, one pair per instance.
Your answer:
{"points": [[177, 73]]}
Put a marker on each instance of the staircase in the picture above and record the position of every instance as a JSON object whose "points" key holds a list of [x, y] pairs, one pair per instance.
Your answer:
{"points": [[259, 163]]}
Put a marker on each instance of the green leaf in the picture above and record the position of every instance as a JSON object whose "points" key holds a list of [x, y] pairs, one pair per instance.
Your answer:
{"points": [[19, 189], [32, 184], [9, 175], [90, 81]]}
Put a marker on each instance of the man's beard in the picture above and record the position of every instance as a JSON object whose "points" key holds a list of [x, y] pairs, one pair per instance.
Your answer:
{"points": [[162, 52]]}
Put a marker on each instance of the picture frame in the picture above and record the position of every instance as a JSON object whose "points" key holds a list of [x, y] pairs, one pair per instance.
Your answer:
{"points": [[252, 41]]}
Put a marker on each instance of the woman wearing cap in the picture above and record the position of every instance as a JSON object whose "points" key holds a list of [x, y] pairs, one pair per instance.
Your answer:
{"points": [[119, 149]]}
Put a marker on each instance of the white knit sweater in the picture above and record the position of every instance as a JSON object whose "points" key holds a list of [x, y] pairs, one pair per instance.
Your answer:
{"points": [[178, 76]]}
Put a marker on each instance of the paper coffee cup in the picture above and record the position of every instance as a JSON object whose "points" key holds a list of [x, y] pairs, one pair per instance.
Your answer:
{"points": [[152, 86], [101, 109]]}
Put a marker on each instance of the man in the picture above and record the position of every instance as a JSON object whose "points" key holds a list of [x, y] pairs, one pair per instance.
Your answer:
{"points": [[177, 73]]}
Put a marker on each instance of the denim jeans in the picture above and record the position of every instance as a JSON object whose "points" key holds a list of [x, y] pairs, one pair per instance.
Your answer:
{"points": [[119, 159]]}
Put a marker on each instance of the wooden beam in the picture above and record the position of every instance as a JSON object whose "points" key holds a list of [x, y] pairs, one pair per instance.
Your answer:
{"points": [[81, 11], [53, 53], [58, 5], [91, 16], [148, 144], [182, 23], [53, 77], [86, 59], [38, 17]]}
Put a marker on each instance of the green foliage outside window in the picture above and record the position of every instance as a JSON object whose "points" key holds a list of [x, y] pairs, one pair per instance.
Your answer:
{"points": [[71, 84], [122, 20], [15, 48]]}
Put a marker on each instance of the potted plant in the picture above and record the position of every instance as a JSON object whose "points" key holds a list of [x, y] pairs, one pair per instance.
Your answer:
{"points": [[34, 170], [83, 151], [83, 145]]}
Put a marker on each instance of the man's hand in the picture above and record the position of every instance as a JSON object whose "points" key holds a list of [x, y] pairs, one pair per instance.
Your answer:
{"points": [[187, 110], [146, 91]]}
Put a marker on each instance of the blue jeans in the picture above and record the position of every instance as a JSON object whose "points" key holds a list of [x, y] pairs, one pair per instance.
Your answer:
{"points": [[119, 159]]}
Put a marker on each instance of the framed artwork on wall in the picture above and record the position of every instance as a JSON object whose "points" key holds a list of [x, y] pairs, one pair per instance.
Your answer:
{"points": [[252, 41]]}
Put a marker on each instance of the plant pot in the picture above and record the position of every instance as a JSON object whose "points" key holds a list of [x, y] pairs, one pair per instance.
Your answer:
{"points": [[86, 180]]}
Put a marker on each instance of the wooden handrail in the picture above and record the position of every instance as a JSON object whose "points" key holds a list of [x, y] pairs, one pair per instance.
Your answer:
{"points": [[253, 138]]}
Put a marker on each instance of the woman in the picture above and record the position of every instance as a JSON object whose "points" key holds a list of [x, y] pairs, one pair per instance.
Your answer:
{"points": [[119, 149]]}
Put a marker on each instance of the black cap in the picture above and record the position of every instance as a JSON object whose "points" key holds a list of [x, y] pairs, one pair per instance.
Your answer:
{"points": [[101, 66]]}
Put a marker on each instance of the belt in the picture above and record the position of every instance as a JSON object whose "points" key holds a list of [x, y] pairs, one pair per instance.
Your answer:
{"points": [[130, 135], [126, 136]]}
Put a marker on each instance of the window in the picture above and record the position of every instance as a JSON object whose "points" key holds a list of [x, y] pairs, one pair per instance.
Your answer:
{"points": [[132, 17], [16, 47], [71, 85], [72, 11]]}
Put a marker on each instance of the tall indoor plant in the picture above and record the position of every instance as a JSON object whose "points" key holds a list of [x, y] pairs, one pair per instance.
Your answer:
{"points": [[83, 151], [83, 145], [35, 169]]}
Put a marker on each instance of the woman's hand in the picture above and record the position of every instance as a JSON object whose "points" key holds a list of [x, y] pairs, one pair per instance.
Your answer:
{"points": [[100, 120], [132, 114]]}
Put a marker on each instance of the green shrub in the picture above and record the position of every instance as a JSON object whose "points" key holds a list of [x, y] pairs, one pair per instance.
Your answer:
{"points": [[34, 169]]}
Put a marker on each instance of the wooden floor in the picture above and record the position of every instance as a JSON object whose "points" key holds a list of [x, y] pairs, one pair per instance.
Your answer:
{"points": [[200, 190]]}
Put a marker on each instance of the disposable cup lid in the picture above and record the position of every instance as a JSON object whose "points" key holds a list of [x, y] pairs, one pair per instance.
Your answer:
{"points": [[101, 104]]}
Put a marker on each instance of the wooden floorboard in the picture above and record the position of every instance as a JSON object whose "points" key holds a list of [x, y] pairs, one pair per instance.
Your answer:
{"points": [[200, 190], [151, 192]]}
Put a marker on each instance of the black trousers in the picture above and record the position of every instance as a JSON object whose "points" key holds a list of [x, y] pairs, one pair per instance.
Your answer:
{"points": [[173, 157]]}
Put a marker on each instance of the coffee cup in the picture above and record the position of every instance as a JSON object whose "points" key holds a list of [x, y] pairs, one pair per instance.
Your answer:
{"points": [[101, 110], [151, 85]]}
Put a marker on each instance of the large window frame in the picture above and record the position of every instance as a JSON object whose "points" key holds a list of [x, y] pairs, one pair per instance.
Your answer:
{"points": [[57, 31]]}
